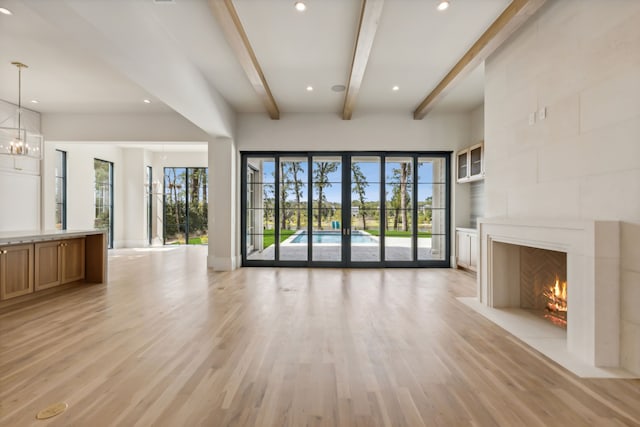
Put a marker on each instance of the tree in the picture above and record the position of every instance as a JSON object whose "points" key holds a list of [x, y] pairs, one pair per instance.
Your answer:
{"points": [[285, 187], [268, 191], [359, 185], [405, 172], [400, 195], [321, 181], [296, 168]]}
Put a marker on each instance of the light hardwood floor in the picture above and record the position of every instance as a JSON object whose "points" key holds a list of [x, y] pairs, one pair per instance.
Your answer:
{"points": [[169, 343]]}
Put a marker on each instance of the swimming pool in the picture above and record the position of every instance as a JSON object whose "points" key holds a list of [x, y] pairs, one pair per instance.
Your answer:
{"points": [[333, 237]]}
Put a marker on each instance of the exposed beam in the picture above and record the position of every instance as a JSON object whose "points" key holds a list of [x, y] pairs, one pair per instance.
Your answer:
{"points": [[513, 17], [227, 17], [369, 18]]}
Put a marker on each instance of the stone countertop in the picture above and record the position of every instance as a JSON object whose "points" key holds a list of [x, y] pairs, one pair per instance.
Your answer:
{"points": [[33, 236]]}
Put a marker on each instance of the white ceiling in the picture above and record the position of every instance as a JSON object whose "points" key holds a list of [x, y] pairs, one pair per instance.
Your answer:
{"points": [[89, 56]]}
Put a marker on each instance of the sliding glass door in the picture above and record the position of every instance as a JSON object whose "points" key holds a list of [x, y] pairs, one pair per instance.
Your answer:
{"points": [[345, 209], [365, 209]]}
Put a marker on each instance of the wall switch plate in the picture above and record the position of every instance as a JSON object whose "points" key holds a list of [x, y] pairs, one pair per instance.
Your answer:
{"points": [[532, 118], [542, 113]]}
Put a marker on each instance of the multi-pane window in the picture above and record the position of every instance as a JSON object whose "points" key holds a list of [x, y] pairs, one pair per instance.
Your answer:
{"points": [[61, 189], [186, 206], [103, 197]]}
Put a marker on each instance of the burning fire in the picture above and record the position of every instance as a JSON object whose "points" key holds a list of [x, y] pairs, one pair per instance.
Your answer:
{"points": [[557, 301]]}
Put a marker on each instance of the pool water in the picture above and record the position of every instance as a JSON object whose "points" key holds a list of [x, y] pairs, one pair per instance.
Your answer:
{"points": [[333, 237]]}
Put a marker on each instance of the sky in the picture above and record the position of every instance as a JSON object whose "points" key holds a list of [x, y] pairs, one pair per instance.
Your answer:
{"points": [[371, 171]]}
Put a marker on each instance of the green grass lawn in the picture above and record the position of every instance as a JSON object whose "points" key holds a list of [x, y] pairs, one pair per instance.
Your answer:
{"points": [[392, 233], [269, 237]]}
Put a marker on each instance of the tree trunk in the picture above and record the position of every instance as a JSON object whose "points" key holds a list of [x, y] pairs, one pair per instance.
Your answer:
{"points": [[320, 207], [403, 195], [395, 219], [283, 199]]}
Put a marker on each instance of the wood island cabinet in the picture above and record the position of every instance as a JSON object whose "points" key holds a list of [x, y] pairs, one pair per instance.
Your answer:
{"points": [[16, 271], [59, 262], [72, 260], [45, 262]]}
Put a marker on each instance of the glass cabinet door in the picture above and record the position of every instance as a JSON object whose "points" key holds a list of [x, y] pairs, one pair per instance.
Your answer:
{"points": [[463, 160], [475, 154]]}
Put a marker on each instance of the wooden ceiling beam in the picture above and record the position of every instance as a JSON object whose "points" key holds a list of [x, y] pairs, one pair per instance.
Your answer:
{"points": [[227, 17], [513, 17], [369, 19]]}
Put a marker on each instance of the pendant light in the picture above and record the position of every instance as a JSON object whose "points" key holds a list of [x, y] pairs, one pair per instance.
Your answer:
{"points": [[18, 145], [16, 141]]}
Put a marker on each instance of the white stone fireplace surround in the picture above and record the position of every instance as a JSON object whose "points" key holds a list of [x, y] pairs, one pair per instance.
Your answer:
{"points": [[593, 279]]}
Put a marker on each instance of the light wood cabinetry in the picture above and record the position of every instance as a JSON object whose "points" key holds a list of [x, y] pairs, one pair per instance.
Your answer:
{"points": [[72, 260], [59, 262], [467, 249], [470, 163], [16, 271], [45, 263]]}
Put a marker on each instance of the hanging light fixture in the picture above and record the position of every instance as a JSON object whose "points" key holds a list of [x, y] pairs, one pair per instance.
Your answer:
{"points": [[19, 145], [18, 141]]}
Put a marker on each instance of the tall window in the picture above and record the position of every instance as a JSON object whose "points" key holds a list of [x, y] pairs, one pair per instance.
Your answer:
{"points": [[149, 204], [185, 206], [61, 190], [103, 199]]}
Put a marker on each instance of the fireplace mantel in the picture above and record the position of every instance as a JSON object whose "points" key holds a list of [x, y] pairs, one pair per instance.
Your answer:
{"points": [[593, 276]]}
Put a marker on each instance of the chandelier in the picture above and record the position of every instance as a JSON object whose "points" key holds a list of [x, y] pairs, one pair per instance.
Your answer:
{"points": [[17, 141]]}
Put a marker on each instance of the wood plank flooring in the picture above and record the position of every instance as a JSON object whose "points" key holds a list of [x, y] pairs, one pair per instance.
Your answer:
{"points": [[169, 343]]}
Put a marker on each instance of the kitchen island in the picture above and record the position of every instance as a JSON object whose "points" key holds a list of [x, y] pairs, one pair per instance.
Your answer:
{"points": [[32, 261]]}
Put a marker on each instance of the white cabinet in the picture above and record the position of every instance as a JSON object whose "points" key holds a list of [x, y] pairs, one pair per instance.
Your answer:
{"points": [[470, 163], [467, 249]]}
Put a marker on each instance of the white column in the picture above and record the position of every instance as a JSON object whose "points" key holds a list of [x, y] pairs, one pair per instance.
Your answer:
{"points": [[223, 205]]}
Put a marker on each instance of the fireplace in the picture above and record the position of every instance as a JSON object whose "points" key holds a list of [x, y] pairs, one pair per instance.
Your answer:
{"points": [[543, 284], [519, 262]]}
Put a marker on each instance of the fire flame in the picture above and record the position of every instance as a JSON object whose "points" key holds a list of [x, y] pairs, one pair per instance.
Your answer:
{"points": [[557, 296]]}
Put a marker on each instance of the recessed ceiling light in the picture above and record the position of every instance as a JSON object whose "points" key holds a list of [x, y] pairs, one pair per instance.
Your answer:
{"points": [[146, 101], [338, 88], [35, 101], [5, 11], [300, 6], [395, 88], [309, 88], [443, 5]]}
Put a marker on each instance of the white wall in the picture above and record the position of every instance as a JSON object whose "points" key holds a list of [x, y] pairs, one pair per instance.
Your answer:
{"points": [[130, 199], [384, 131], [477, 124], [81, 188], [581, 60], [476, 188], [19, 177], [153, 127]]}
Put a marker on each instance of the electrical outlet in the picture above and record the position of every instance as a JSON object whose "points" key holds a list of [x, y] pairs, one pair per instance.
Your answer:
{"points": [[542, 113], [532, 118]]}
